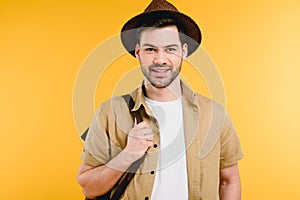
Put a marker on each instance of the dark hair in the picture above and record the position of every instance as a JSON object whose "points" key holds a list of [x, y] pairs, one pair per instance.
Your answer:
{"points": [[159, 23]]}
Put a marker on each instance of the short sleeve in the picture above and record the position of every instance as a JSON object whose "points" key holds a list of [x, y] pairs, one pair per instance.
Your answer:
{"points": [[231, 151], [97, 145]]}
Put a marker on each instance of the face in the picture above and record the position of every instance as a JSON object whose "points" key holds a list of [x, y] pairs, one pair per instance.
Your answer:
{"points": [[160, 53]]}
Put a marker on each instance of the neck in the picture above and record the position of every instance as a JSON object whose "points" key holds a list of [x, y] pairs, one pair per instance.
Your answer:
{"points": [[170, 93]]}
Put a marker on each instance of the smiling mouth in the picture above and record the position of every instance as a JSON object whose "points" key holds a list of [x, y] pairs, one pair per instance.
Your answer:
{"points": [[160, 72]]}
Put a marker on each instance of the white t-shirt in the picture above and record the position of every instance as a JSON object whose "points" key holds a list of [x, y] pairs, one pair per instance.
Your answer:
{"points": [[171, 180]]}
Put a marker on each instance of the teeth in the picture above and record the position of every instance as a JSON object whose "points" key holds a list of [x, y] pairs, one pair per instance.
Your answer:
{"points": [[160, 70]]}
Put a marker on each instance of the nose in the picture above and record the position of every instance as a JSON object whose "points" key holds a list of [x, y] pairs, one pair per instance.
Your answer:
{"points": [[160, 58]]}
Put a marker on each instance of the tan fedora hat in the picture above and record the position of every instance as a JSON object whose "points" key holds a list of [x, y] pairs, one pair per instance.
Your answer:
{"points": [[158, 9]]}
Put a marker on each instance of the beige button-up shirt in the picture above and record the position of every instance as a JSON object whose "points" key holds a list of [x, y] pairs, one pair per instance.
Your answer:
{"points": [[210, 139]]}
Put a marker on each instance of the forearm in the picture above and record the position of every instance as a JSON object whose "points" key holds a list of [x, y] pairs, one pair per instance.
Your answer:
{"points": [[99, 180], [230, 191], [230, 183]]}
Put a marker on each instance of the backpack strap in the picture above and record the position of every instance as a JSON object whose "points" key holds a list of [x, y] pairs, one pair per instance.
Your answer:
{"points": [[130, 172]]}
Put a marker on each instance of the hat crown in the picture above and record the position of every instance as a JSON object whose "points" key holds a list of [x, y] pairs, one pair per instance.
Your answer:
{"points": [[157, 5], [159, 9]]}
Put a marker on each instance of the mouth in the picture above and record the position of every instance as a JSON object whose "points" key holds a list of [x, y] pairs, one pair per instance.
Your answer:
{"points": [[160, 72]]}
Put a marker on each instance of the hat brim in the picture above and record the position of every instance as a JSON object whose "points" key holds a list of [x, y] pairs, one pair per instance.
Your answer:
{"points": [[189, 26]]}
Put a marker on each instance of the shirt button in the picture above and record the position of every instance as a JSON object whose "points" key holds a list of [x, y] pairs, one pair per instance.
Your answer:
{"points": [[155, 145], [152, 172], [146, 198]]}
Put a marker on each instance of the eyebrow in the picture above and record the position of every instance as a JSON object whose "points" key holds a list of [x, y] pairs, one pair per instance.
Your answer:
{"points": [[167, 46]]}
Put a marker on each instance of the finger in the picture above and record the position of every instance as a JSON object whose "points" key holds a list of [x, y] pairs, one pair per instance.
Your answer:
{"points": [[143, 136], [148, 137], [135, 122], [142, 124], [149, 144], [142, 131]]}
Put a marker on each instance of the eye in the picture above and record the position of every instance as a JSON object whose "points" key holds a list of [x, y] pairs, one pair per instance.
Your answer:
{"points": [[149, 49], [171, 49]]}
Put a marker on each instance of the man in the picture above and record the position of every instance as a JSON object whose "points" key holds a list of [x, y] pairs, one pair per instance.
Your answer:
{"points": [[176, 123]]}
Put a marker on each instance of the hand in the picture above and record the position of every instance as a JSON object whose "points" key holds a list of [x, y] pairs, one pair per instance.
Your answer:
{"points": [[140, 138]]}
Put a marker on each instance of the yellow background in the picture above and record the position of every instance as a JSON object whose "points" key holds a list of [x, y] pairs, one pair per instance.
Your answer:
{"points": [[255, 44]]}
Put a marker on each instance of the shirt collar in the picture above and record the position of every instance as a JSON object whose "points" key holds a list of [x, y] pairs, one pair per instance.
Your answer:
{"points": [[139, 97]]}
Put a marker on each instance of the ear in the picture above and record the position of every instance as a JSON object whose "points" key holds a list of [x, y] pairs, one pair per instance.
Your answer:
{"points": [[137, 51], [184, 50]]}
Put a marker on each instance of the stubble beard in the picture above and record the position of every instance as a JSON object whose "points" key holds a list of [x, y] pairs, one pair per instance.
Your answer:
{"points": [[163, 82]]}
